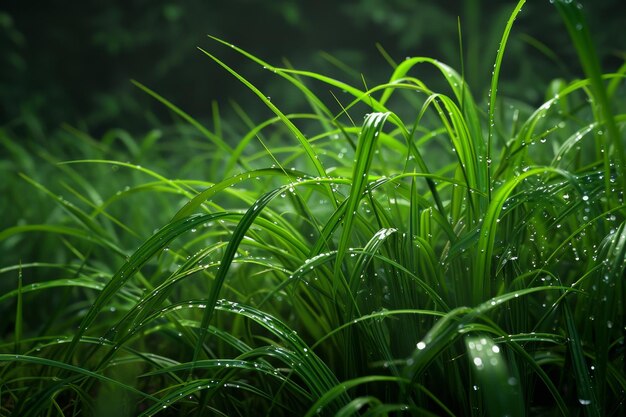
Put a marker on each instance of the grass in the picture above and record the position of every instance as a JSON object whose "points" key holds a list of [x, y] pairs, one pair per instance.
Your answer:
{"points": [[320, 265]]}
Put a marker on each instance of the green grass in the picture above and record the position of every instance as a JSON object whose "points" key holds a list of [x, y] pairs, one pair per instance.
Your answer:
{"points": [[464, 260]]}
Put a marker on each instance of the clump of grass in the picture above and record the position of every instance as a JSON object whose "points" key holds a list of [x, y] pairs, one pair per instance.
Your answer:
{"points": [[454, 262]]}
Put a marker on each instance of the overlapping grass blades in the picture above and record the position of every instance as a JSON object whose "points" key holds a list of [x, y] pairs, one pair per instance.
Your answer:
{"points": [[409, 265]]}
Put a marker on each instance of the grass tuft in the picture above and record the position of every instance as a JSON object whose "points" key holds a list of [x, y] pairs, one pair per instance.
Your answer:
{"points": [[433, 259]]}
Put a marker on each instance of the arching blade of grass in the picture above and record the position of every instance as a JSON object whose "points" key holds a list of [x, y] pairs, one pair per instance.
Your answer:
{"points": [[327, 400], [448, 328], [318, 105], [228, 370], [461, 91], [257, 366], [469, 148], [87, 282], [365, 257], [500, 390], [365, 151], [226, 261], [201, 385], [153, 245], [121, 135], [571, 142], [310, 152], [482, 281], [354, 406], [359, 95], [196, 202], [295, 352], [313, 371], [374, 316], [377, 334], [440, 336]]}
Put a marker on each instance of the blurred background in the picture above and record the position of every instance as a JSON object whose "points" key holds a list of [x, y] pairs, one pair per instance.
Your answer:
{"points": [[72, 62]]}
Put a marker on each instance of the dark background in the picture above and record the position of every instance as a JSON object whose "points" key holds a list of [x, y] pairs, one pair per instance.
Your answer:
{"points": [[71, 62]]}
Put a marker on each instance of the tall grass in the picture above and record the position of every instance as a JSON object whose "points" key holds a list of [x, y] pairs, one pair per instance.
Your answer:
{"points": [[464, 260]]}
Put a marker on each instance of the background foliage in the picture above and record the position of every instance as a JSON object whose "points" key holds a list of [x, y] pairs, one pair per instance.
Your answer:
{"points": [[65, 62]]}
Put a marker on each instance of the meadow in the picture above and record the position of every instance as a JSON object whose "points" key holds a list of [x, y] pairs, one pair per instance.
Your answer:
{"points": [[386, 250]]}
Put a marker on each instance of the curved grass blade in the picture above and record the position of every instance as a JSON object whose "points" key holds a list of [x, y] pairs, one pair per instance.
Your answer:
{"points": [[141, 256], [365, 152], [84, 282], [318, 106], [482, 281], [229, 254], [196, 202], [375, 316], [494, 83], [328, 398], [310, 152], [501, 390]]}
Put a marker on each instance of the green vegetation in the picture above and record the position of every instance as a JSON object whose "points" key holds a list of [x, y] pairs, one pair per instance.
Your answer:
{"points": [[439, 256]]}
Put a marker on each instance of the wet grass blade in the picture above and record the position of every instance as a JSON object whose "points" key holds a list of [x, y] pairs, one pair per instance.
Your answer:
{"points": [[226, 261], [149, 249], [500, 390], [584, 386], [366, 146], [327, 400], [494, 82], [310, 152]]}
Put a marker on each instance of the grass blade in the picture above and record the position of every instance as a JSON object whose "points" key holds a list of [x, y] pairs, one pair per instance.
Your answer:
{"points": [[493, 376]]}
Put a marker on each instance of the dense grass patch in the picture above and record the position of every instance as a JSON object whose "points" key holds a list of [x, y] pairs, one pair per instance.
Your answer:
{"points": [[393, 250]]}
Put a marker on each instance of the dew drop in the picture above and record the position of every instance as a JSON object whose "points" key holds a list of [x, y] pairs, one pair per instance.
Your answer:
{"points": [[478, 362]]}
